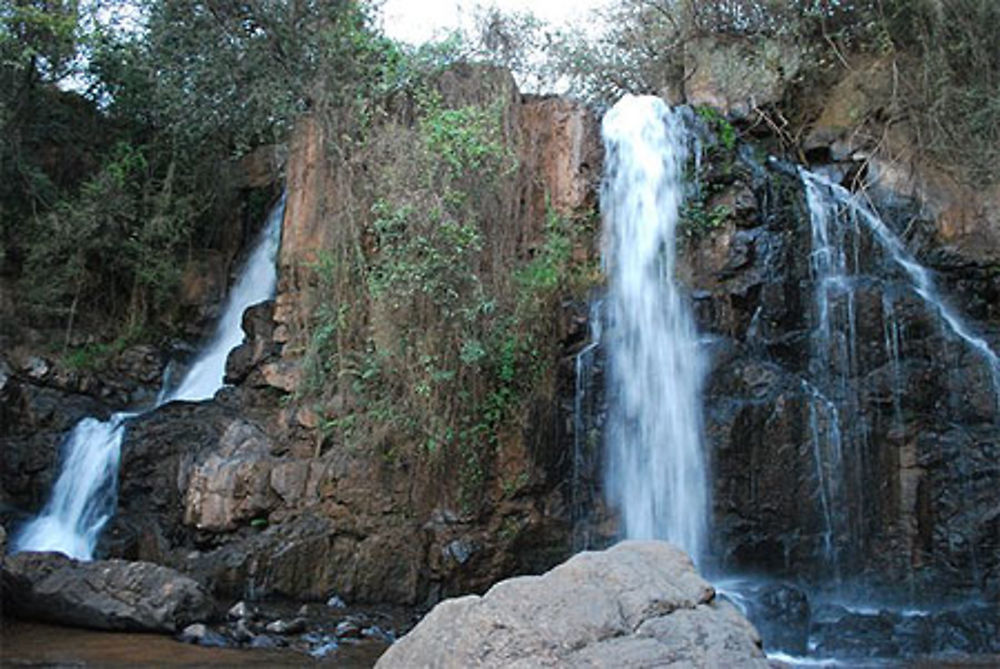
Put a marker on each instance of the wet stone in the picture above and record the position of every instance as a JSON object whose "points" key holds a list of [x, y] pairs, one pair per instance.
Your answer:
{"points": [[240, 610], [294, 626], [200, 634], [241, 632], [348, 629], [267, 641], [324, 649]]}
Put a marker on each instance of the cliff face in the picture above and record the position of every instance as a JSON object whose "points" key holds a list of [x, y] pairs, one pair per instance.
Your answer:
{"points": [[346, 460], [405, 422]]}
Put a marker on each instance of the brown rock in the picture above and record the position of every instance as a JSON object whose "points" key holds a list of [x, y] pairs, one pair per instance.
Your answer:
{"points": [[232, 484], [562, 136], [204, 279], [261, 167], [738, 75]]}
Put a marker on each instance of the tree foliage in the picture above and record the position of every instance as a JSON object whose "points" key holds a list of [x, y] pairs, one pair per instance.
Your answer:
{"points": [[944, 54], [105, 191]]}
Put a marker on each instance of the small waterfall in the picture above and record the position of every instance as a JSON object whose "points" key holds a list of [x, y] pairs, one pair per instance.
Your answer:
{"points": [[83, 498], [656, 472], [85, 494], [585, 450], [839, 429], [825, 197], [256, 283]]}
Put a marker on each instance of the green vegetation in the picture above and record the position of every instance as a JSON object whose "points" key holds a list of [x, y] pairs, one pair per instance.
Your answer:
{"points": [[434, 332], [944, 89], [697, 219], [104, 193], [718, 124]]}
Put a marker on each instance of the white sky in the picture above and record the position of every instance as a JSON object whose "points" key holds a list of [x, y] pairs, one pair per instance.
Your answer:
{"points": [[416, 21]]}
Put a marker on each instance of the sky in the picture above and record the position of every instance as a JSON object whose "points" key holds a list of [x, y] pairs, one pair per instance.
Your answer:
{"points": [[416, 21]]}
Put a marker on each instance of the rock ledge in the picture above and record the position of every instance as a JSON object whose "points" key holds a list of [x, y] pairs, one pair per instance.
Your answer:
{"points": [[104, 594]]}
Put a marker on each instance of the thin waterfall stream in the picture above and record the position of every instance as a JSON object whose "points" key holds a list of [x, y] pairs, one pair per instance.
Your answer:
{"points": [[84, 496], [840, 429]]}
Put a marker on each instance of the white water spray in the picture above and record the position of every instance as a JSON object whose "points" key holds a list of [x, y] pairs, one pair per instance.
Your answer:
{"points": [[656, 466], [85, 494]]}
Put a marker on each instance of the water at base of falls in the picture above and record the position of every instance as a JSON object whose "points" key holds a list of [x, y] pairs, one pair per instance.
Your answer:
{"points": [[85, 494], [656, 472]]}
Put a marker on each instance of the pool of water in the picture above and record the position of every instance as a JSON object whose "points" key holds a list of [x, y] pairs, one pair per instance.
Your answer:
{"points": [[26, 644]]}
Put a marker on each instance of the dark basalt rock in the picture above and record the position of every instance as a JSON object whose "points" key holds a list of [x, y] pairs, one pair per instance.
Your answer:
{"points": [[781, 613]]}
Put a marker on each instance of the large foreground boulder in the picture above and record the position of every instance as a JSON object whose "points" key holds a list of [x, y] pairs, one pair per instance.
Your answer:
{"points": [[105, 594], [638, 604]]}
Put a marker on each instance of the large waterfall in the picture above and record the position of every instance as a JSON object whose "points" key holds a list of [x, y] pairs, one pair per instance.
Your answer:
{"points": [[852, 412], [85, 494], [656, 472]]}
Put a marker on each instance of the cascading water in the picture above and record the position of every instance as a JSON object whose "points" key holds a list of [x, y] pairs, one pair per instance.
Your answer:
{"points": [[817, 371], [840, 429], [826, 199], [656, 473], [85, 494], [256, 283], [585, 446]]}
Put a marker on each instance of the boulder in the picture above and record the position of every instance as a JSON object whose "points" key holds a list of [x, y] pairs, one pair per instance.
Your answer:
{"points": [[737, 76], [104, 594], [635, 604], [232, 484]]}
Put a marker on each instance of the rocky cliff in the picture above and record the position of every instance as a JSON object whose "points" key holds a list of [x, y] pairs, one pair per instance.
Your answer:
{"points": [[316, 473], [402, 432]]}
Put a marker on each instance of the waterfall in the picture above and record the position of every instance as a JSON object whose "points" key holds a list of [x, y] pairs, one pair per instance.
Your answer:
{"points": [[839, 427], [585, 412], [84, 497], [829, 201], [656, 472]]}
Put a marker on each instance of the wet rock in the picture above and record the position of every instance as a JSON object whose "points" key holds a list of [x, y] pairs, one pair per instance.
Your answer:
{"points": [[104, 594], [348, 629], [294, 626], [240, 610], [267, 641], [36, 367], [241, 631], [258, 326], [460, 550], [376, 632], [323, 649], [781, 613], [5, 374], [202, 635], [336, 602], [636, 604]]}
